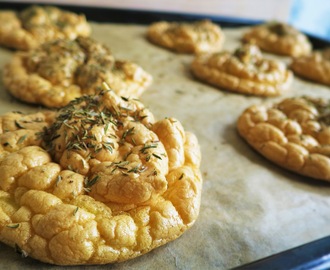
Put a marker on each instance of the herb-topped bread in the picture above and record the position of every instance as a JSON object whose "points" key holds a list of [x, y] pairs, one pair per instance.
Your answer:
{"points": [[35, 25], [278, 38], [99, 181], [62, 70], [244, 71], [189, 37]]}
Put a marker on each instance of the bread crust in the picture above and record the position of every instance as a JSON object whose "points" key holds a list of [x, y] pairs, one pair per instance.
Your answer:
{"points": [[62, 70], [294, 134], [190, 38], [278, 38], [314, 67], [245, 71], [36, 25], [102, 183]]}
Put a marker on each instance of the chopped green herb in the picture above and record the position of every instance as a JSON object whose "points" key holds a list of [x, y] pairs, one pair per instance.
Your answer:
{"points": [[21, 139], [66, 124], [108, 146], [156, 156], [55, 137], [134, 169], [146, 147], [137, 169], [58, 179], [106, 128], [127, 132], [125, 98], [18, 125], [90, 183], [13, 226], [87, 189]]}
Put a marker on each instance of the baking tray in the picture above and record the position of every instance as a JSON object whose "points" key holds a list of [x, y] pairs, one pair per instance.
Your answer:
{"points": [[307, 253], [133, 16]]}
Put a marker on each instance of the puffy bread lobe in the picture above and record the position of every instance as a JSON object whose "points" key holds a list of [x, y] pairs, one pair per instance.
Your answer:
{"points": [[314, 67], [294, 133], [18, 130], [193, 37], [35, 25], [244, 71], [104, 183], [62, 70], [278, 38]]}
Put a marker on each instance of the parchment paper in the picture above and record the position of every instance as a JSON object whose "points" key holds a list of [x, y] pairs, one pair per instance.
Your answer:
{"points": [[250, 208]]}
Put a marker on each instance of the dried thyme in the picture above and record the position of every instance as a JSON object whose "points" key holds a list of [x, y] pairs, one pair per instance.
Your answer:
{"points": [[75, 211], [21, 139], [18, 125], [13, 226], [93, 181], [156, 156], [58, 180]]}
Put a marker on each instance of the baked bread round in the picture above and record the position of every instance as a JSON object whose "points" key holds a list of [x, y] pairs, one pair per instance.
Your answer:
{"points": [[314, 67], [188, 37], [244, 71], [293, 133], [278, 38], [62, 70], [35, 25], [98, 182]]}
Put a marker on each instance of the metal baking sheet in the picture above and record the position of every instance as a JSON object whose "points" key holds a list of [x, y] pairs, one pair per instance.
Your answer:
{"points": [[250, 208]]}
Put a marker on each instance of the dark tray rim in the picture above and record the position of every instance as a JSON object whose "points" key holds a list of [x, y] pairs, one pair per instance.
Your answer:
{"points": [[315, 254]]}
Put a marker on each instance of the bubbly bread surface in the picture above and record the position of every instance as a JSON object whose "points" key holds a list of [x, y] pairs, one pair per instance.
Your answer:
{"points": [[278, 38], [314, 67], [193, 37], [245, 71], [293, 133], [97, 182], [62, 70], [35, 25]]}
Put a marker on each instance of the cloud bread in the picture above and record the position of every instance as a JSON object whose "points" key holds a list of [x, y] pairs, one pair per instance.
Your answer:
{"points": [[278, 38], [36, 25], [189, 37], [62, 70], [315, 66], [245, 71], [98, 182], [293, 133]]}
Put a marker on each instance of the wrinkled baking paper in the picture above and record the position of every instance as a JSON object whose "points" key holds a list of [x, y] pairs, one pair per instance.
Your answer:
{"points": [[250, 208]]}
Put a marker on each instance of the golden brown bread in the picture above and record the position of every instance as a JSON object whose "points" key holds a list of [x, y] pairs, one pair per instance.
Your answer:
{"points": [[278, 38], [35, 25], [294, 133], [194, 37], [101, 182], [245, 71], [62, 70], [315, 66]]}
